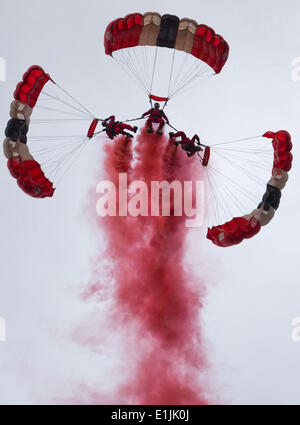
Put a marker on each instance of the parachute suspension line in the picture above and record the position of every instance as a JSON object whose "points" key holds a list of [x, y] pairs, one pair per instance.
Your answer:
{"points": [[126, 65], [199, 69], [98, 132], [59, 110], [242, 189], [172, 127], [132, 66], [237, 191], [216, 199], [49, 120], [134, 119], [190, 68], [144, 60], [154, 66], [220, 193], [81, 148], [137, 66], [166, 102], [76, 101], [58, 147], [246, 172], [146, 64], [64, 102], [179, 72], [171, 74], [59, 150], [223, 192], [143, 64], [193, 71], [191, 86], [209, 198], [143, 73], [233, 199], [53, 165], [254, 163], [232, 196], [135, 79], [190, 80], [236, 141], [252, 151], [44, 138]]}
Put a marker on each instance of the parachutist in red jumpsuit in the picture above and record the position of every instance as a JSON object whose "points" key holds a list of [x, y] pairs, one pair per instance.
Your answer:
{"points": [[114, 128], [156, 116], [187, 144]]}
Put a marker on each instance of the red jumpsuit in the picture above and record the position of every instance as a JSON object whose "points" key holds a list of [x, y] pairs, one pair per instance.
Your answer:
{"points": [[188, 144], [114, 128], [156, 116]]}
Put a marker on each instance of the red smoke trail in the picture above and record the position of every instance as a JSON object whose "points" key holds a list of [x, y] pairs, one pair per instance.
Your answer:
{"points": [[155, 294]]}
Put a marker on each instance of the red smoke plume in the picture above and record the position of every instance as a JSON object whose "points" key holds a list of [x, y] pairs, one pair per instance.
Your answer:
{"points": [[155, 294]]}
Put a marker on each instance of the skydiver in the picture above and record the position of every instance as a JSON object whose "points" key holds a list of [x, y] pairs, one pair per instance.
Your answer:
{"points": [[114, 128], [157, 116], [187, 144]]}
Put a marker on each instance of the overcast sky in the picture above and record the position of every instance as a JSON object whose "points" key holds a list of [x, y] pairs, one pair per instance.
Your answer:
{"points": [[47, 246]]}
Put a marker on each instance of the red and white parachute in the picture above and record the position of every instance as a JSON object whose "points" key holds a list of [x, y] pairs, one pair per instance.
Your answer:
{"points": [[246, 226], [165, 53], [21, 163], [23, 166]]}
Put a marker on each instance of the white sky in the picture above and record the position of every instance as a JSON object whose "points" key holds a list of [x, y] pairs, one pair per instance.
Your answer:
{"points": [[47, 245]]}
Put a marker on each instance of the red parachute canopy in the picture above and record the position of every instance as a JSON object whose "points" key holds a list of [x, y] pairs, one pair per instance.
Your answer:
{"points": [[21, 164], [240, 228], [152, 29]]}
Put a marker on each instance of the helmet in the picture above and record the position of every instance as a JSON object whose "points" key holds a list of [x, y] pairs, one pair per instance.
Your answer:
{"points": [[156, 105]]}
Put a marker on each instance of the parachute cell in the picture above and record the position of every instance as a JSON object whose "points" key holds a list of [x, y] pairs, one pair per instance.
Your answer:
{"points": [[29, 89]]}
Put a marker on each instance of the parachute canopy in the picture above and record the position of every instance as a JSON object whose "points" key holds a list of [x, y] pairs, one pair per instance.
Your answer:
{"points": [[57, 152], [151, 29], [21, 163]]}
